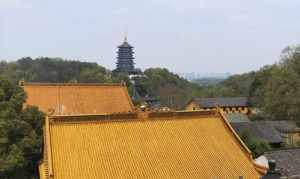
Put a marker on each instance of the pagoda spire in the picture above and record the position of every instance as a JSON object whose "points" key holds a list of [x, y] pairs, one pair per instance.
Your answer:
{"points": [[125, 37]]}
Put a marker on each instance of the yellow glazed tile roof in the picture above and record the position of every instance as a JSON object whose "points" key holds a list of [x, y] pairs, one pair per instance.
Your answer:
{"points": [[72, 98], [43, 174], [155, 145]]}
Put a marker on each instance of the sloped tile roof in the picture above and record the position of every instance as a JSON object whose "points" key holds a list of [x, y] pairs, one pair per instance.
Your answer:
{"points": [[237, 117], [74, 98], [287, 161], [146, 145], [222, 102], [283, 126], [259, 130]]}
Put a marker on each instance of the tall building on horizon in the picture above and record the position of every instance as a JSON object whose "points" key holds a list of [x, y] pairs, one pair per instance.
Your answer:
{"points": [[125, 58]]}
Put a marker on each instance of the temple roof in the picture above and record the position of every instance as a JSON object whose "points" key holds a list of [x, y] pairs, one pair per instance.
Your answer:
{"points": [[78, 98], [145, 145], [222, 102]]}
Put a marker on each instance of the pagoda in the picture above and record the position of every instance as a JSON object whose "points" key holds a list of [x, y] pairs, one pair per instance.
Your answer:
{"points": [[125, 58]]}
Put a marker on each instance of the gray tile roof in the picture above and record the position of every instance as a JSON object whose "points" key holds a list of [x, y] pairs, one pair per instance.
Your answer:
{"points": [[222, 102], [287, 161], [272, 176], [262, 131], [236, 117], [284, 126]]}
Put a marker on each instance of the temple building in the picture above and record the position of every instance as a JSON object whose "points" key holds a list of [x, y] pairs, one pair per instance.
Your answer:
{"points": [[78, 98], [145, 145], [227, 105], [125, 58]]}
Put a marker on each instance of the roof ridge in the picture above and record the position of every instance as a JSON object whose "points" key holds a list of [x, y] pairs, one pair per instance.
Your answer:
{"points": [[125, 90], [69, 84], [259, 168], [281, 150], [236, 135], [124, 117], [219, 97], [48, 148]]}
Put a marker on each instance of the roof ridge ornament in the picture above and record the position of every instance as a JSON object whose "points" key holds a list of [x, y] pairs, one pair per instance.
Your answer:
{"points": [[125, 37]]}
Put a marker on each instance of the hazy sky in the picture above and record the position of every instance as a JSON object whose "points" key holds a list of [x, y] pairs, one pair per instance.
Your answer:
{"points": [[183, 35]]}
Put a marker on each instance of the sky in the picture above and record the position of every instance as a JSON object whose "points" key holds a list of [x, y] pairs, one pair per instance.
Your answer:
{"points": [[203, 36]]}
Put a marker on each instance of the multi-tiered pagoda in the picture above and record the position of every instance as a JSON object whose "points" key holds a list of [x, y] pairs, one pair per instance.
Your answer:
{"points": [[125, 58]]}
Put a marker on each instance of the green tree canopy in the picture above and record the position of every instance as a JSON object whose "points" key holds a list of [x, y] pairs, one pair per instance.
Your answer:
{"points": [[20, 133]]}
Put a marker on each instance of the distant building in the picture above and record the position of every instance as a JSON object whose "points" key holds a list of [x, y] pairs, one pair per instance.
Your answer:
{"points": [[227, 105], [145, 145], [78, 98], [125, 63]]}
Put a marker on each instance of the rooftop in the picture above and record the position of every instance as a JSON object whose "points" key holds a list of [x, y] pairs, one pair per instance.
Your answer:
{"points": [[78, 98], [145, 145], [287, 161], [284, 126], [262, 131], [237, 117], [222, 102]]}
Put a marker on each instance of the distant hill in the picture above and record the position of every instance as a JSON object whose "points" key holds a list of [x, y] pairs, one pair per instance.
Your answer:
{"points": [[208, 81], [194, 75]]}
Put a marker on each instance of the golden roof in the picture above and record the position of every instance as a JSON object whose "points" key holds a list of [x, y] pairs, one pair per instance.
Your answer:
{"points": [[145, 145], [78, 98]]}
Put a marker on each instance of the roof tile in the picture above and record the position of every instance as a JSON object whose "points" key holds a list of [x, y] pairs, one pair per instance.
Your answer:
{"points": [[72, 98], [170, 145]]}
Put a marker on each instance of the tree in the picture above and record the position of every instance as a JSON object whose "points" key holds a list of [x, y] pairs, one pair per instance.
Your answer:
{"points": [[256, 146], [172, 90], [20, 133], [282, 95]]}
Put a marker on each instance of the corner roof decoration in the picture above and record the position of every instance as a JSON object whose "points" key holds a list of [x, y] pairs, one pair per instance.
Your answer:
{"points": [[78, 98], [145, 145]]}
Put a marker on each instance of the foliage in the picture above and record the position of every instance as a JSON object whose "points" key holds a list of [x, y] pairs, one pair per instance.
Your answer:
{"points": [[208, 81], [20, 133], [282, 96], [53, 70], [172, 90], [274, 90], [257, 147]]}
